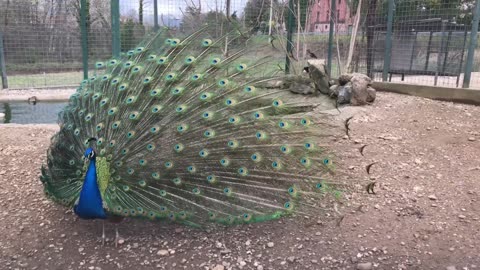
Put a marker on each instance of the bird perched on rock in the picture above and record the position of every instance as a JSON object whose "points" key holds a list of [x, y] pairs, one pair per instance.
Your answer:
{"points": [[174, 131]]}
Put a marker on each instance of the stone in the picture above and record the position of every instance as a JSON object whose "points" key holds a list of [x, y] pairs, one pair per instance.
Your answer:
{"points": [[345, 94], [334, 90], [270, 244], [432, 197], [472, 139], [2, 116], [364, 266], [360, 83], [344, 79], [451, 267], [298, 85], [219, 267], [291, 259], [319, 75], [162, 252]]}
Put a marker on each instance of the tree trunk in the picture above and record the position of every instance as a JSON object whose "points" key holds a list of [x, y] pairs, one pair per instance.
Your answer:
{"points": [[140, 12], [372, 8]]}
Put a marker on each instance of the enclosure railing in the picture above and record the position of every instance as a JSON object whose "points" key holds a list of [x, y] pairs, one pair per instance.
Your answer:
{"points": [[56, 43]]}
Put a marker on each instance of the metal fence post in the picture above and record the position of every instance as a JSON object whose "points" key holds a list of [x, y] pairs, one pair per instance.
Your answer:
{"points": [[290, 27], [155, 15], [84, 37], [471, 47], [3, 69], [330, 35], [115, 17], [388, 42]]}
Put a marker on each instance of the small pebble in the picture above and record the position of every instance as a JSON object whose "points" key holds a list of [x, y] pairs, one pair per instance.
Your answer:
{"points": [[270, 244], [364, 266]]}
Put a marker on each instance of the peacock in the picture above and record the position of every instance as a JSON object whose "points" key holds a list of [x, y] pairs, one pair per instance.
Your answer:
{"points": [[182, 131]]}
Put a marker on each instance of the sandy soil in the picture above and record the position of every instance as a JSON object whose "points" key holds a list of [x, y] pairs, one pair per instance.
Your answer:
{"points": [[425, 213]]}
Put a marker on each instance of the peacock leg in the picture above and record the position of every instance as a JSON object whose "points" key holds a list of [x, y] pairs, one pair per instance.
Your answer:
{"points": [[103, 233], [116, 235]]}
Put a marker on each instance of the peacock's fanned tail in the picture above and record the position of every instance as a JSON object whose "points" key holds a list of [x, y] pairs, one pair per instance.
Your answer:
{"points": [[186, 134]]}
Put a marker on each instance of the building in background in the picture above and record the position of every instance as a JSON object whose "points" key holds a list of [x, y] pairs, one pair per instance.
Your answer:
{"points": [[320, 16]]}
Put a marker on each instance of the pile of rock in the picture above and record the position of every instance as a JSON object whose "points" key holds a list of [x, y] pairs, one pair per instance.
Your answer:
{"points": [[354, 89]]}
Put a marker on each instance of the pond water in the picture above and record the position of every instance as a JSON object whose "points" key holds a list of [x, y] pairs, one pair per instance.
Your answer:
{"points": [[24, 113]]}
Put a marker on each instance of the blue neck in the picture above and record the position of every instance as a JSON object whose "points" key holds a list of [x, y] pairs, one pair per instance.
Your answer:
{"points": [[90, 205]]}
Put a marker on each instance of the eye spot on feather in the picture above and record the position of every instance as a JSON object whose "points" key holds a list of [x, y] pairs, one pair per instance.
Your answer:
{"points": [[230, 102], [118, 163], [88, 117], [207, 115], [285, 149], [170, 76], [134, 115], [130, 52], [241, 67], [177, 90], [261, 135], [215, 61], [177, 181], [122, 87], [205, 96], [234, 120], [292, 191], [99, 143], [150, 147], [142, 184], [211, 179], [155, 92], [76, 132], [212, 216], [156, 108], [105, 77], [277, 103], [112, 62], [151, 57], [247, 217], [112, 143], [283, 124], [136, 69], [196, 77], [142, 162], [225, 162], [168, 164], [258, 115], [305, 122], [103, 102], [156, 175], [99, 65], [162, 193], [181, 108], [326, 161], [318, 185], [305, 161], [154, 129], [147, 80], [71, 162], [222, 82], [130, 171], [308, 146], [182, 128], [232, 144], [96, 96], [206, 42], [227, 191], [178, 147], [288, 206], [209, 133], [249, 89], [256, 157], [242, 171], [112, 111], [191, 169], [130, 134], [130, 100], [196, 191], [116, 124], [189, 60], [276, 165], [162, 60], [203, 153]]}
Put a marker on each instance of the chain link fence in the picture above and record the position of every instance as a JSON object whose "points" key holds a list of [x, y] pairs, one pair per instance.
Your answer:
{"points": [[53, 43]]}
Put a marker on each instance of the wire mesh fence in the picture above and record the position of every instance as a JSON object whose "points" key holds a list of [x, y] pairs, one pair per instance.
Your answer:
{"points": [[405, 41]]}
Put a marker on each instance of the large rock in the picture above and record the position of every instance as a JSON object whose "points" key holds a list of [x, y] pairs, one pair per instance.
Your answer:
{"points": [[334, 90], [318, 73], [360, 83], [298, 85], [345, 94]]}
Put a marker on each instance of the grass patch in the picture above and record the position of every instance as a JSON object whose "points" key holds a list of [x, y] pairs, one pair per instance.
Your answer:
{"points": [[44, 80]]}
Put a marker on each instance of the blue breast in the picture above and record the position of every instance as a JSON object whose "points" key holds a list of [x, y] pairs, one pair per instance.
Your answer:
{"points": [[90, 204]]}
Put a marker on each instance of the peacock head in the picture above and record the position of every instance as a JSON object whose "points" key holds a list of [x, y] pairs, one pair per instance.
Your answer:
{"points": [[90, 154]]}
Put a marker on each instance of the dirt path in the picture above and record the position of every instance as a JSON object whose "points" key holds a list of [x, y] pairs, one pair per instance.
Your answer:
{"points": [[425, 214]]}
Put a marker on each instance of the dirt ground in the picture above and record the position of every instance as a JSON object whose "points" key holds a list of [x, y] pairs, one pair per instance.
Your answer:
{"points": [[425, 213]]}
